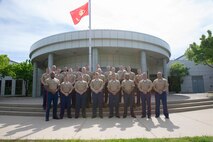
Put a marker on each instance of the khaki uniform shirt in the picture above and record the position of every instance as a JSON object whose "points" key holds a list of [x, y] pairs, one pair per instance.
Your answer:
{"points": [[81, 86], [102, 77], [97, 84], [60, 77], [160, 85], [138, 78], [145, 86], [106, 74], [66, 87], [52, 84], [131, 75], [120, 75], [128, 86], [44, 77], [114, 86], [71, 78], [86, 78]]}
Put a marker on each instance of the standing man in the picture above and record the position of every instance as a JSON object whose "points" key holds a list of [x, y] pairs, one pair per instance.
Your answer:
{"points": [[128, 87], [114, 88], [52, 86], [138, 78], [121, 73], [66, 89], [44, 91], [96, 86], [160, 86], [87, 78], [106, 74], [145, 87], [81, 98], [72, 78]]}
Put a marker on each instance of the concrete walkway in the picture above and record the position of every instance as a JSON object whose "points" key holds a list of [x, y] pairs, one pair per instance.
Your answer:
{"points": [[194, 123]]}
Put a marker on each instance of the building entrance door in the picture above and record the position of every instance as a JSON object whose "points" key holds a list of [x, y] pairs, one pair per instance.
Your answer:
{"points": [[197, 84]]}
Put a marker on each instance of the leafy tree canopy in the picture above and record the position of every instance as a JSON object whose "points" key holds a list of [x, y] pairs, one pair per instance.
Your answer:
{"points": [[178, 69], [5, 66], [202, 53]]}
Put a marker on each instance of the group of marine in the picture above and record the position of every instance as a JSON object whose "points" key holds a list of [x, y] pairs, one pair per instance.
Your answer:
{"points": [[82, 88]]}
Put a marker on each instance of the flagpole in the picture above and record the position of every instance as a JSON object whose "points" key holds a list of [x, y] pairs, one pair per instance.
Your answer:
{"points": [[90, 39]]}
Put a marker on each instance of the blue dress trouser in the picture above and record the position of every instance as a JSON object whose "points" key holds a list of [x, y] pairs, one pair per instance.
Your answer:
{"points": [[97, 100], [146, 104], [113, 103], [163, 98], [52, 97], [44, 95], [81, 101], [65, 103], [128, 102]]}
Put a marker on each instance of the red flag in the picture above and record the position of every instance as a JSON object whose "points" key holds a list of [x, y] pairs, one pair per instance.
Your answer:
{"points": [[78, 13]]}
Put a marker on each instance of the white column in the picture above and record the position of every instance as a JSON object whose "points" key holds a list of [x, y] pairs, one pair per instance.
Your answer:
{"points": [[94, 58], [23, 88], [165, 68], [13, 91], [39, 74], [34, 91], [143, 61], [2, 86], [50, 60]]}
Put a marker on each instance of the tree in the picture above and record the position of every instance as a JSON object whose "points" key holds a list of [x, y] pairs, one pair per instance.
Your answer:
{"points": [[24, 71], [5, 67], [202, 53], [177, 72]]}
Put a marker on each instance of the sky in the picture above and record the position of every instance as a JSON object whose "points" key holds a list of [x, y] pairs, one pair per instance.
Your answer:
{"points": [[178, 22]]}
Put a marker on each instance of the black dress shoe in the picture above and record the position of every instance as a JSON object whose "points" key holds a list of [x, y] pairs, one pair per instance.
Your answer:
{"points": [[143, 116], [156, 116], [133, 116], [167, 117], [55, 118], [117, 116], [110, 116], [76, 116]]}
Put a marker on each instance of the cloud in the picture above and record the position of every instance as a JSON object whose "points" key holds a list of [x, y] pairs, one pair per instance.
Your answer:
{"points": [[178, 22]]}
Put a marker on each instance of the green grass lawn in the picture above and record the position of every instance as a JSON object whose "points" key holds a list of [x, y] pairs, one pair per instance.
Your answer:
{"points": [[184, 139]]}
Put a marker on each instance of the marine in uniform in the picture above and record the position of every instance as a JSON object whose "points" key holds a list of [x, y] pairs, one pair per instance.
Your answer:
{"points": [[138, 78], [121, 73], [81, 98], [72, 79], [44, 91], [66, 88], [114, 88], [87, 78], [145, 87], [128, 87], [106, 74], [96, 86], [160, 86], [52, 85]]}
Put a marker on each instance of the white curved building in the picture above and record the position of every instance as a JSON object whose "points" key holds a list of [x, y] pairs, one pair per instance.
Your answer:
{"points": [[109, 47]]}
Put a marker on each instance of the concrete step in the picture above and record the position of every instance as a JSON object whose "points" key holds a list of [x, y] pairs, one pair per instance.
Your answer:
{"points": [[173, 107], [37, 108], [105, 113]]}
